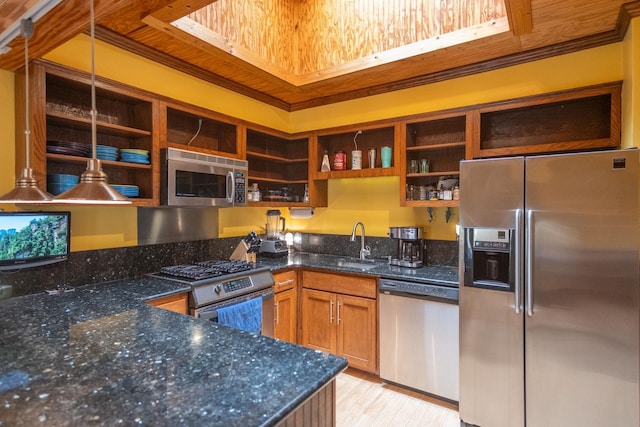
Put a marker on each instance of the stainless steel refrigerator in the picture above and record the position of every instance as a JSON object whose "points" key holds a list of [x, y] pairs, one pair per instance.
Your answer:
{"points": [[549, 290]]}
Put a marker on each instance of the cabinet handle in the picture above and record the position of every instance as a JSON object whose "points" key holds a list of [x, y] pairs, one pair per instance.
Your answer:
{"points": [[277, 316], [339, 304], [331, 312], [286, 282]]}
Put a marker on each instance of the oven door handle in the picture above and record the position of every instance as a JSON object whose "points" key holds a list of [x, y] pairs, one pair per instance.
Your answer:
{"points": [[211, 312]]}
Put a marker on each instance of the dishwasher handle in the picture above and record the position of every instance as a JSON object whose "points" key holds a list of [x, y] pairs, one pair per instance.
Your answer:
{"points": [[419, 290]]}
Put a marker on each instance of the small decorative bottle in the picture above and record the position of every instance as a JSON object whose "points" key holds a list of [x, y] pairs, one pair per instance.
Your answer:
{"points": [[456, 193], [326, 167], [255, 192], [305, 198]]}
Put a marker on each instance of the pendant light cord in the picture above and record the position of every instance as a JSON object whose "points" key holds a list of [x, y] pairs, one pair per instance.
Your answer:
{"points": [[26, 27], [93, 83]]}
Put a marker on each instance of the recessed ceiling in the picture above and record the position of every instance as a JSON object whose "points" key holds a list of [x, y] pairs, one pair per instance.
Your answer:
{"points": [[308, 42], [296, 54]]}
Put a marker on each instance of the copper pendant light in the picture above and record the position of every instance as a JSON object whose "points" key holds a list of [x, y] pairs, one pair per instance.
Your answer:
{"points": [[26, 189], [93, 187]]}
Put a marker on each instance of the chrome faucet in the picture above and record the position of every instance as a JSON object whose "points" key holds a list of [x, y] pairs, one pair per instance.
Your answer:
{"points": [[364, 250]]}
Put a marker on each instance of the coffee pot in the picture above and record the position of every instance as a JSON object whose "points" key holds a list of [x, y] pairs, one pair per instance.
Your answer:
{"points": [[411, 251]]}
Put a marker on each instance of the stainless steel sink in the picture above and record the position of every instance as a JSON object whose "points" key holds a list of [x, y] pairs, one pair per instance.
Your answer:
{"points": [[359, 264]]}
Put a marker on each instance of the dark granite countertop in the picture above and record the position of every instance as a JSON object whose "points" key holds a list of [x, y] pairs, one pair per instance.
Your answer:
{"points": [[98, 355], [435, 274]]}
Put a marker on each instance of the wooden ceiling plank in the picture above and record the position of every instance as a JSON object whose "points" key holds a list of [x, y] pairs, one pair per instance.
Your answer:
{"points": [[127, 19], [179, 9], [200, 38], [520, 16], [418, 49]]}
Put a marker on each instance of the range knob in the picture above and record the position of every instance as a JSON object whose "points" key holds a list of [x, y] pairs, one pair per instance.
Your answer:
{"points": [[217, 289]]}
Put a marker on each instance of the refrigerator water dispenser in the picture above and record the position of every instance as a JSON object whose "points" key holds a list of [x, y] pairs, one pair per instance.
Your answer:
{"points": [[489, 258]]}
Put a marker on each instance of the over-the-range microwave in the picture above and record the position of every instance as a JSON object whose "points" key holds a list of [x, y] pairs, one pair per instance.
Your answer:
{"points": [[191, 178]]}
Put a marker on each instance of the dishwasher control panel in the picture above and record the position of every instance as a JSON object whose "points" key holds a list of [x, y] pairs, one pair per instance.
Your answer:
{"points": [[418, 290]]}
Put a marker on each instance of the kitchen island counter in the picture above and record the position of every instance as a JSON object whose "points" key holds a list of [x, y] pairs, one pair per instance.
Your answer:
{"points": [[98, 355]]}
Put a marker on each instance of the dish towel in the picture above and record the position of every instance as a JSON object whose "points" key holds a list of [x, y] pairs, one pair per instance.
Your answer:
{"points": [[245, 315]]}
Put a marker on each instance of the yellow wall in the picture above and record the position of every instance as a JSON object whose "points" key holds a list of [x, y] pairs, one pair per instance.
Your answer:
{"points": [[7, 131], [373, 201]]}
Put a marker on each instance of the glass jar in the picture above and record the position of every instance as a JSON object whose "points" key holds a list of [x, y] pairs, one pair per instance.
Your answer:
{"points": [[423, 193]]}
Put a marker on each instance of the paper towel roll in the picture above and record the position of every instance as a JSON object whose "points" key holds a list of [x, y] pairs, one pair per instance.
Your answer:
{"points": [[301, 213]]}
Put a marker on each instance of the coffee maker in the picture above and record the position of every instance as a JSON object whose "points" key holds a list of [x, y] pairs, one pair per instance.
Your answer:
{"points": [[411, 251], [274, 245]]}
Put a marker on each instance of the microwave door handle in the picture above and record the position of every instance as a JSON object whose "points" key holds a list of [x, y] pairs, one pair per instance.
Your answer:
{"points": [[231, 188]]}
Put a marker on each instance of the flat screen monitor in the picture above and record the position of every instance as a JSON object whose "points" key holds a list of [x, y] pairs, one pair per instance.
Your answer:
{"points": [[30, 239]]}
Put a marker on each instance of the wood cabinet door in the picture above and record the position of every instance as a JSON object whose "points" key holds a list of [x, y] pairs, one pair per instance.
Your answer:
{"points": [[318, 320], [357, 336], [176, 303], [284, 318]]}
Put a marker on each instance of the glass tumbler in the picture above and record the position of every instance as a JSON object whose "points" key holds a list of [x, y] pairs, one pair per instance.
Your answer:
{"points": [[413, 168], [424, 166]]}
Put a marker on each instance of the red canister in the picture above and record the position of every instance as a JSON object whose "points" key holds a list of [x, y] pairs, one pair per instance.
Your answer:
{"points": [[339, 161]]}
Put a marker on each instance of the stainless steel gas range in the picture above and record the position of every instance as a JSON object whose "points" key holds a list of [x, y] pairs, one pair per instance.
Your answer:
{"points": [[227, 292]]}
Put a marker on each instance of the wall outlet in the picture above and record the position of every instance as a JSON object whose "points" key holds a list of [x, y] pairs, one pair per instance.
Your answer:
{"points": [[5, 291]]}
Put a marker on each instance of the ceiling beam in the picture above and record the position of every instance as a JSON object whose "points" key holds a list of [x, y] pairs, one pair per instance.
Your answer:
{"points": [[520, 18], [179, 9], [61, 24]]}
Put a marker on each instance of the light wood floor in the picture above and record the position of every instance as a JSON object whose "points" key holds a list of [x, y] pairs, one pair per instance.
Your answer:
{"points": [[366, 401]]}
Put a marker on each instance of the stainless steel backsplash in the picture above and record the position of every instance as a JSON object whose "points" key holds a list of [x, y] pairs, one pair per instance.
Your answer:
{"points": [[176, 224]]}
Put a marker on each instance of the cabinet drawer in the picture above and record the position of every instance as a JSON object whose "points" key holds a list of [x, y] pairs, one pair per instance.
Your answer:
{"points": [[285, 280], [340, 283], [176, 303]]}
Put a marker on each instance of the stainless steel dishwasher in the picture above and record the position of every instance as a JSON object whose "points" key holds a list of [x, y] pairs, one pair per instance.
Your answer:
{"points": [[419, 336]]}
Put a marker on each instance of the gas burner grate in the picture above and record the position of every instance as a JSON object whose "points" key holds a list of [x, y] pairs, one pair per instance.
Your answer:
{"points": [[189, 271], [228, 267]]}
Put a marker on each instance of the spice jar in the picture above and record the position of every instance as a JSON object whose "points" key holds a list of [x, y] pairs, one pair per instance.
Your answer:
{"points": [[339, 160], [456, 193], [423, 193]]}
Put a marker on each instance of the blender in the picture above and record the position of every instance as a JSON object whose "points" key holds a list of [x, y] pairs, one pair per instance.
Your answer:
{"points": [[274, 245]]}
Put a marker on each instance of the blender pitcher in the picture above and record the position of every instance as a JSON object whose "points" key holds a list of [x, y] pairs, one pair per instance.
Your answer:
{"points": [[273, 222]]}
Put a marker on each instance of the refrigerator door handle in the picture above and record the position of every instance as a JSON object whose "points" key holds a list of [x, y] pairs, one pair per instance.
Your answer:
{"points": [[517, 261], [529, 267]]}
